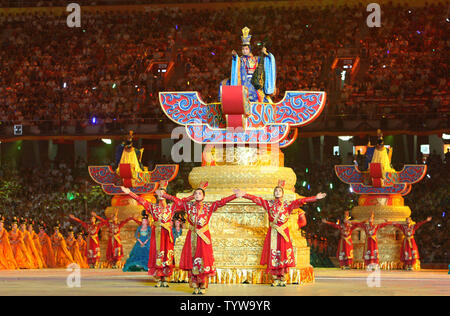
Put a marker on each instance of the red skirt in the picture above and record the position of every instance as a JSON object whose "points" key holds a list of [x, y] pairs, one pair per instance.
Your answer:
{"points": [[345, 253], [409, 253], [202, 263], [92, 251], [162, 263], [282, 258], [371, 252], [114, 252]]}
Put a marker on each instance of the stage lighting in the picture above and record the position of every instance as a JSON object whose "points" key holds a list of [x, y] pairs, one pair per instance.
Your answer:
{"points": [[318, 209], [445, 136], [106, 141], [114, 86], [331, 186], [94, 120], [345, 138]]}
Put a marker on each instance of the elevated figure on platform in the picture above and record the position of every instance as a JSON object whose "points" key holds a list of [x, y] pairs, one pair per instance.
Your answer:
{"points": [[345, 246], [278, 253], [126, 153], [197, 256], [409, 253], [139, 255], [257, 73]]}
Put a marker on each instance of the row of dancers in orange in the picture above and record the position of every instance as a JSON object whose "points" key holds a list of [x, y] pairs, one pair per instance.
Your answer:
{"points": [[409, 253], [23, 248]]}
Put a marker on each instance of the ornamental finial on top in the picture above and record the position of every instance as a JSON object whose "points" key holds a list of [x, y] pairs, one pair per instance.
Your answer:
{"points": [[246, 37]]}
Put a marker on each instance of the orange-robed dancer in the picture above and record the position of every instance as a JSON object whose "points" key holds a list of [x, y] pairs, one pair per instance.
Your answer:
{"points": [[114, 251], [48, 255], [161, 259], [92, 250], [197, 256], [409, 253], [63, 257], [7, 261], [29, 243], [83, 246], [37, 244], [20, 251], [345, 247], [278, 253], [74, 249]]}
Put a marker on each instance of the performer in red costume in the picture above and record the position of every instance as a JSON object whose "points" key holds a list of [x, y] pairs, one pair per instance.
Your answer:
{"points": [[114, 251], [370, 254], [197, 256], [345, 247], [409, 254], [92, 251], [161, 259], [277, 252]]}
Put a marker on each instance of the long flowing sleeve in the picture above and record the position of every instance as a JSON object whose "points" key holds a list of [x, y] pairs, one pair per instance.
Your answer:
{"points": [[270, 74], [85, 225], [334, 225], [299, 202], [222, 202], [178, 204], [258, 201], [417, 225], [122, 223], [147, 205]]}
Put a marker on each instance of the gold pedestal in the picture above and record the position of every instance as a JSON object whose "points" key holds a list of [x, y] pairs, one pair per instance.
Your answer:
{"points": [[390, 239], [239, 229]]}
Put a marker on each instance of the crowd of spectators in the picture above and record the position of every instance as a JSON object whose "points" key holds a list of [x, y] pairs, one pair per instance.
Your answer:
{"points": [[53, 77]]}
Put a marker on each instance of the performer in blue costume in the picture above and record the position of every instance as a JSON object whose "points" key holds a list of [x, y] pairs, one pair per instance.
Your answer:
{"points": [[138, 259], [257, 73]]}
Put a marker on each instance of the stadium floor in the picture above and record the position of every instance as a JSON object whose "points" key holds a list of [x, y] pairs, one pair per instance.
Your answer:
{"points": [[329, 281]]}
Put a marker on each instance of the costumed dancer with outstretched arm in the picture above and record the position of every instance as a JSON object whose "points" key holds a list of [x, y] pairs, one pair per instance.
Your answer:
{"points": [[114, 251], [197, 256], [161, 255], [371, 254], [92, 252], [345, 246], [48, 254], [278, 253], [409, 253]]}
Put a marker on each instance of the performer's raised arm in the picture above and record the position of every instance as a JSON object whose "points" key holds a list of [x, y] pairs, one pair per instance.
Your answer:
{"points": [[84, 224], [258, 201], [122, 223], [417, 225], [140, 200], [221, 203], [330, 223], [299, 202]]}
